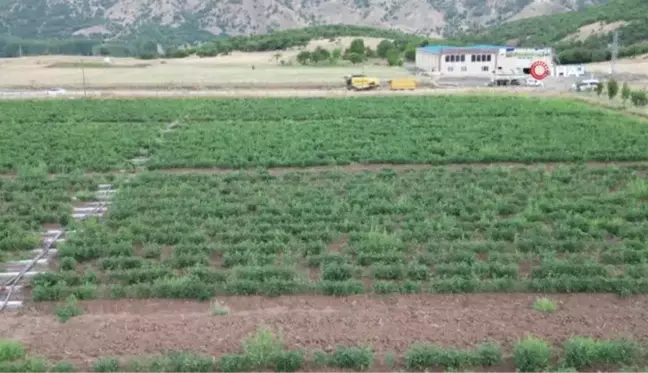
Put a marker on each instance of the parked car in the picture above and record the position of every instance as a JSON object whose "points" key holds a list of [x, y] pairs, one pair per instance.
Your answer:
{"points": [[585, 85], [56, 91]]}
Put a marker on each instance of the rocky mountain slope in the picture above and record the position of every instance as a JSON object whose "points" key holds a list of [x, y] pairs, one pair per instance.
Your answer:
{"points": [[202, 19]]}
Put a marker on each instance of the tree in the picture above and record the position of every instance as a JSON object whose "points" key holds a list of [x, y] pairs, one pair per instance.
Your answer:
{"points": [[639, 98], [612, 88], [383, 47], [625, 92], [337, 53], [369, 53], [303, 57], [355, 58], [357, 46], [599, 88], [393, 58], [319, 54], [410, 54]]}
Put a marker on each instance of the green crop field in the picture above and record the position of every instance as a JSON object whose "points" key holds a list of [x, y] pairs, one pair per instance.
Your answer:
{"points": [[470, 230], [32, 199], [102, 135]]}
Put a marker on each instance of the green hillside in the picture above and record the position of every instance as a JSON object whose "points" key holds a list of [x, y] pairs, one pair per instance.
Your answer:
{"points": [[551, 30]]}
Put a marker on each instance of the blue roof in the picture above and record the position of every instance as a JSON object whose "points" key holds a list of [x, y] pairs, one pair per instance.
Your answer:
{"points": [[440, 48]]}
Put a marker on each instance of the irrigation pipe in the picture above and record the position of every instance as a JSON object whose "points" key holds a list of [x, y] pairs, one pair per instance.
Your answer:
{"points": [[12, 282]]}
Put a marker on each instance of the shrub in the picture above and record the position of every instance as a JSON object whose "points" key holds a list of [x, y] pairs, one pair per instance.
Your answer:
{"points": [[532, 355], [544, 305], [612, 88], [11, 350], [639, 98], [625, 92], [341, 288], [289, 361], [356, 358], [68, 310], [218, 309], [263, 348], [68, 264], [29, 365], [63, 367], [106, 365], [235, 363], [583, 352], [599, 88], [488, 354]]}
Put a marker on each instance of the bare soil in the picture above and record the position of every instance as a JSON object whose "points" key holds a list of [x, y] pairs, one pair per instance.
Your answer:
{"points": [[389, 323]]}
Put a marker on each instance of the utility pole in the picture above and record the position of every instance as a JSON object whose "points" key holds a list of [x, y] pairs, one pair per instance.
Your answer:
{"points": [[614, 48], [85, 94]]}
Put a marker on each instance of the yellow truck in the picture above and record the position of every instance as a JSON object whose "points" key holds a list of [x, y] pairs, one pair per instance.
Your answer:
{"points": [[361, 82], [402, 84]]}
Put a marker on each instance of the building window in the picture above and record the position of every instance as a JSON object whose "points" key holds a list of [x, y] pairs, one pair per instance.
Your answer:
{"points": [[447, 58], [488, 58], [464, 68], [472, 58], [463, 58], [453, 58], [450, 69], [484, 68]]}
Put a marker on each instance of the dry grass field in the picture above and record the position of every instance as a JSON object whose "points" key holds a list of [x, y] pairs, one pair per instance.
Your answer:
{"points": [[258, 69]]}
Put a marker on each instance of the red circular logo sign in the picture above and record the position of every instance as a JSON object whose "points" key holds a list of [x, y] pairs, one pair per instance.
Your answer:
{"points": [[539, 70]]}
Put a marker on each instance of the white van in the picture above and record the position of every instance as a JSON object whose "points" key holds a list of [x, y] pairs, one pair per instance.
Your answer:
{"points": [[585, 85]]}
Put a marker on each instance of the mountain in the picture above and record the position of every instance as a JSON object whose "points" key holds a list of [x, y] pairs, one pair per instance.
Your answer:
{"points": [[581, 36], [194, 20]]}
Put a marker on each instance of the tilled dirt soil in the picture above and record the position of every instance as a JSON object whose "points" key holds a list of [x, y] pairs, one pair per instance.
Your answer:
{"points": [[389, 323]]}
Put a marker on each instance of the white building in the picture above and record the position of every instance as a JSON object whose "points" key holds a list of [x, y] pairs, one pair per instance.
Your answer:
{"points": [[481, 60]]}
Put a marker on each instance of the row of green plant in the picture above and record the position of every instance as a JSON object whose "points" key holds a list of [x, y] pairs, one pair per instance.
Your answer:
{"points": [[611, 87], [88, 135], [265, 350], [32, 199], [454, 230], [195, 287]]}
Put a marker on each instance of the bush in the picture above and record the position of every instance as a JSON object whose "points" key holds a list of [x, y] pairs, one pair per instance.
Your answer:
{"points": [[63, 367], [106, 365], [625, 92], [639, 98], [532, 355], [29, 365], [584, 352], [341, 288], [68, 264], [488, 354], [235, 363], [11, 350], [544, 305], [424, 356], [289, 361], [68, 310], [612, 88], [356, 358], [263, 348]]}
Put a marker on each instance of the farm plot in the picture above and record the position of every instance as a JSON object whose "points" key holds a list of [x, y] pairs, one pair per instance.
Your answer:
{"points": [[107, 135], [494, 229], [31, 200]]}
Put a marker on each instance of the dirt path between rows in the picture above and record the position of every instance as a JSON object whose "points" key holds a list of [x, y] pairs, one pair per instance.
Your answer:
{"points": [[389, 323], [359, 167]]}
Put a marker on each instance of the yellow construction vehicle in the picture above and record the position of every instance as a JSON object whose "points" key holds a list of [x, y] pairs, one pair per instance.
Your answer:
{"points": [[402, 84], [361, 82]]}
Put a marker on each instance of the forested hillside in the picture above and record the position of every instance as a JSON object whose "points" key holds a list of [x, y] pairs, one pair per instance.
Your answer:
{"points": [[565, 31]]}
